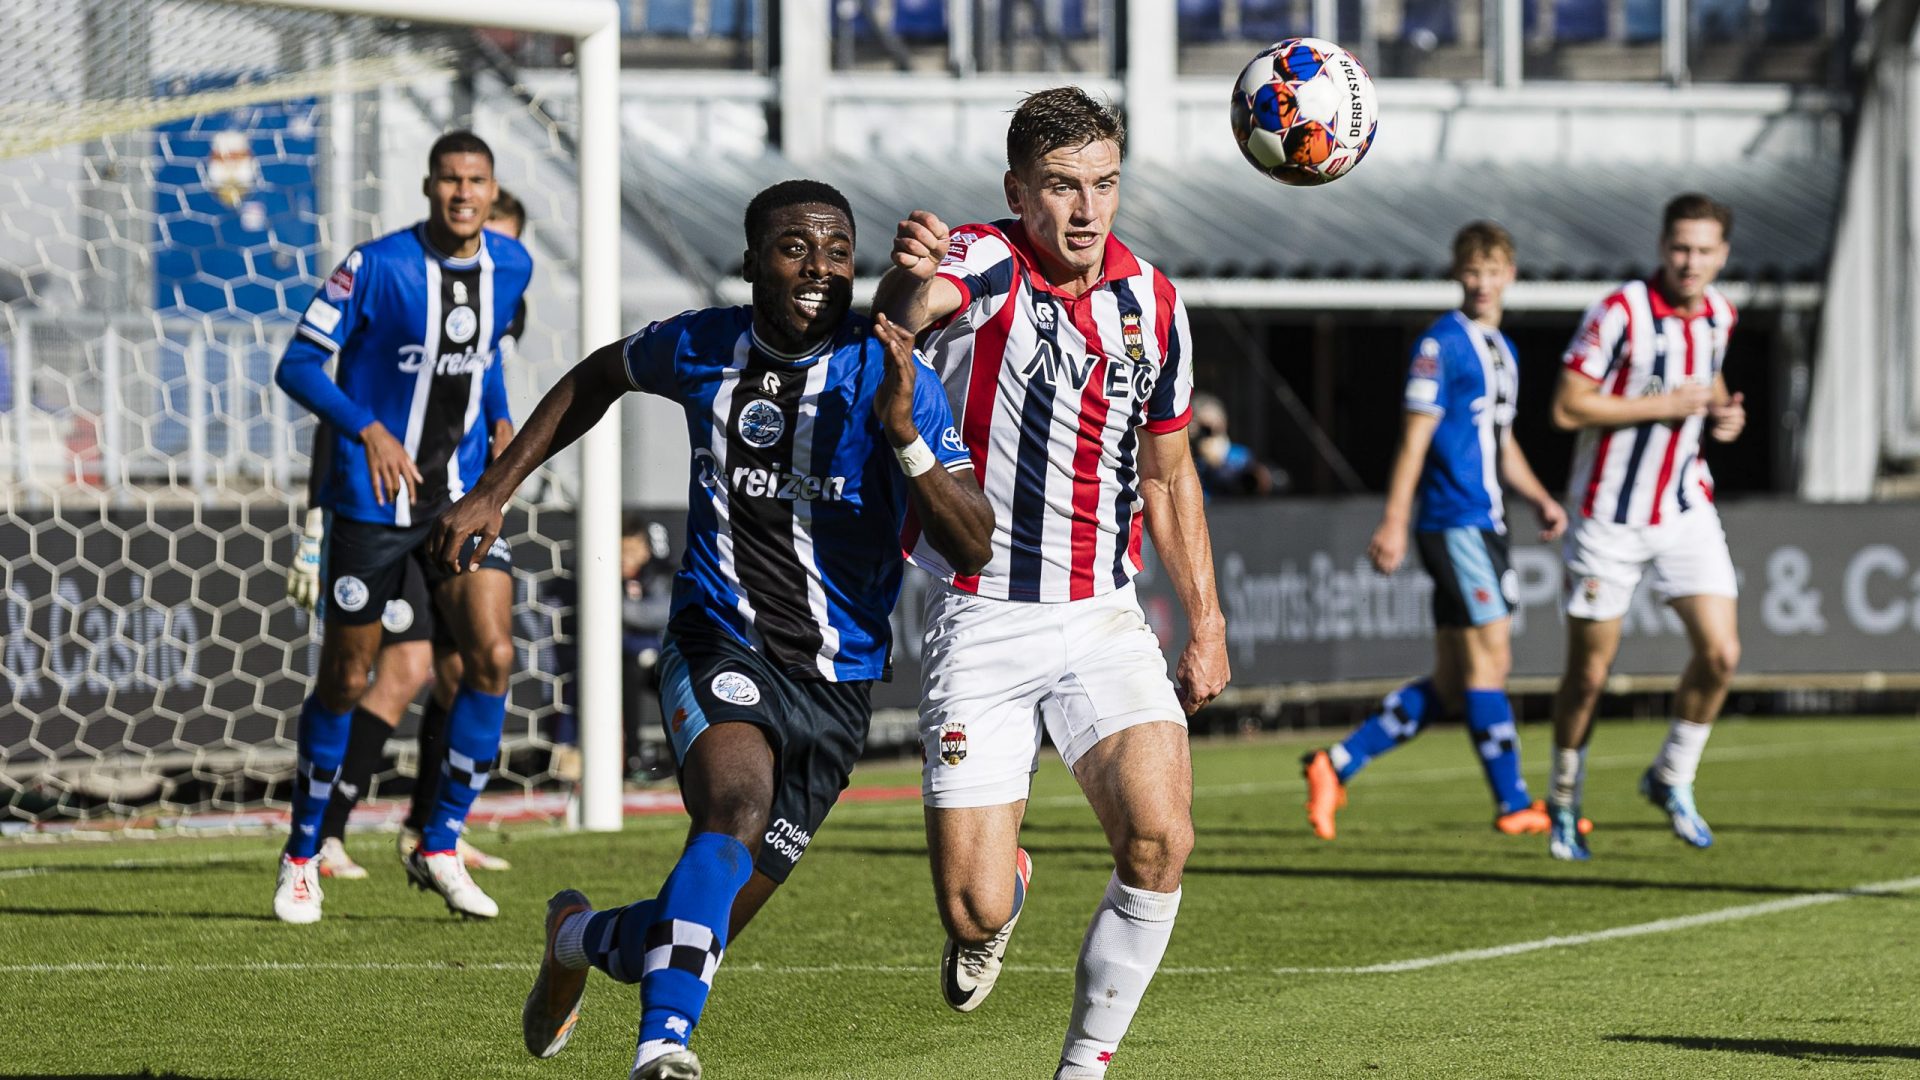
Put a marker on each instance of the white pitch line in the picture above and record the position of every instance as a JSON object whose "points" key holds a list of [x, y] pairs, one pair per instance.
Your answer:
{"points": [[1395, 967], [1658, 926]]}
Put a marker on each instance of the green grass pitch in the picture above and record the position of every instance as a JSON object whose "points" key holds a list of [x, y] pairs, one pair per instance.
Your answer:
{"points": [[161, 956]]}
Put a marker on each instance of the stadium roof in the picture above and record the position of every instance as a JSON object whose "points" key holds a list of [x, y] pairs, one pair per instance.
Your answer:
{"points": [[1387, 223]]}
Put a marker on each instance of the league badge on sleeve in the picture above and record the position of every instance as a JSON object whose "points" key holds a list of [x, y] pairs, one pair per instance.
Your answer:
{"points": [[340, 283]]}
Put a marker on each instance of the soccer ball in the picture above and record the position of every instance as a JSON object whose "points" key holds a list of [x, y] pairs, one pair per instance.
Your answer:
{"points": [[1304, 111]]}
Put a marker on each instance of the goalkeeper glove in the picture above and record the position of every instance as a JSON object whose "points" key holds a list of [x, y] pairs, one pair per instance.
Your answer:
{"points": [[303, 577]]}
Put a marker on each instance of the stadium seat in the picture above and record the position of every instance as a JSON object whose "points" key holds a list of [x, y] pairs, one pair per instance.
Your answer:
{"points": [[1646, 21], [1269, 20], [670, 18], [920, 20], [1427, 24], [1791, 22], [730, 18], [1199, 20], [1578, 21], [1719, 20]]}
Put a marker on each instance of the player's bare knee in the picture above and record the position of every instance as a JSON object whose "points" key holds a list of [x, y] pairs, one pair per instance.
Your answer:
{"points": [[1722, 659], [743, 818], [341, 686], [1155, 856], [489, 667], [973, 915]]}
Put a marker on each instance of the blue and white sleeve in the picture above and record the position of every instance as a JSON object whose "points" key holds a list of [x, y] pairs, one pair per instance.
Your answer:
{"points": [[933, 417], [329, 321], [648, 356], [1427, 379]]}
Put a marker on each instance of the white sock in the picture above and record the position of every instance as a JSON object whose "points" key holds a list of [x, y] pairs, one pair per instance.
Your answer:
{"points": [[654, 1048], [1679, 758], [1569, 776], [1122, 950], [570, 941], [1338, 757]]}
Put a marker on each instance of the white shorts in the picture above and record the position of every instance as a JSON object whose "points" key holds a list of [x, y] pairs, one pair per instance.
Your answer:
{"points": [[994, 671], [1605, 560]]}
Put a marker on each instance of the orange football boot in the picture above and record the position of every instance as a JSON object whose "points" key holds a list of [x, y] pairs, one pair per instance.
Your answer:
{"points": [[1532, 821], [1325, 792]]}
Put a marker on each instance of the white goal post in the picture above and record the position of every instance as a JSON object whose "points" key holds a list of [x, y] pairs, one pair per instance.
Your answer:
{"points": [[594, 26], [180, 176]]}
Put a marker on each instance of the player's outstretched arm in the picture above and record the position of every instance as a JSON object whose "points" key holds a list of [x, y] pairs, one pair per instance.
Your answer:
{"points": [[1520, 478], [954, 513], [909, 292], [1388, 547], [568, 411], [1177, 520], [1578, 402]]}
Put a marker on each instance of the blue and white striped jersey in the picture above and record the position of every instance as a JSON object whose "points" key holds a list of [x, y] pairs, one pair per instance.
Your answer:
{"points": [[795, 499], [1466, 375], [415, 333]]}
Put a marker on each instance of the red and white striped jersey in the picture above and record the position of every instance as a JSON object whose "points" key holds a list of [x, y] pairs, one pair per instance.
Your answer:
{"points": [[1634, 344], [1050, 392]]}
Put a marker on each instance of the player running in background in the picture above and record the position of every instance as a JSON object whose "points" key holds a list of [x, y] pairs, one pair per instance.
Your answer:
{"points": [[1456, 450], [406, 662], [413, 319], [812, 434], [1642, 385], [1069, 362]]}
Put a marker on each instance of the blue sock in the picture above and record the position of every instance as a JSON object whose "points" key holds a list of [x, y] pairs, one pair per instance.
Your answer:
{"points": [[607, 929], [679, 950], [474, 724], [1490, 719], [1402, 714], [323, 746]]}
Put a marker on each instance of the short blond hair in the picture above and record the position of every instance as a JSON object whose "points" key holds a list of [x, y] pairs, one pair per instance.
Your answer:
{"points": [[1480, 240]]}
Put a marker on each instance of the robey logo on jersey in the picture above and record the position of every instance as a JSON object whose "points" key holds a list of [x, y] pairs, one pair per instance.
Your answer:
{"points": [[1123, 378]]}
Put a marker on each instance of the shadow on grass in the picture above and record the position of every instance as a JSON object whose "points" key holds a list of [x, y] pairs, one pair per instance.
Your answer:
{"points": [[141, 1075], [1799, 1049], [218, 916], [1479, 877], [1732, 827]]}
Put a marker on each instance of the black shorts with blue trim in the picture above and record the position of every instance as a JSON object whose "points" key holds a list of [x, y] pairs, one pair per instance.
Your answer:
{"points": [[1472, 582], [385, 573], [816, 728]]}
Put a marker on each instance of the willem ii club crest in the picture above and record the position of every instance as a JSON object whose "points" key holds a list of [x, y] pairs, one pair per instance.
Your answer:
{"points": [[953, 742], [1132, 338]]}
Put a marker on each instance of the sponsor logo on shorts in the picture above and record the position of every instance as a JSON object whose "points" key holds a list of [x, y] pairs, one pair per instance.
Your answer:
{"points": [[1482, 596], [350, 593], [501, 550], [396, 616], [731, 686], [788, 839], [679, 720], [953, 742], [1591, 587]]}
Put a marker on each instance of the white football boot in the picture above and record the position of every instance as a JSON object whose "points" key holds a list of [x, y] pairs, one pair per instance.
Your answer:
{"points": [[336, 863], [672, 1065], [445, 874], [409, 839], [967, 974], [297, 895]]}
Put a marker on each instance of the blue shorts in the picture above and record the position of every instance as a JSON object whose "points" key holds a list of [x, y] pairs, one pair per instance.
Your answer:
{"points": [[816, 728], [1472, 584]]}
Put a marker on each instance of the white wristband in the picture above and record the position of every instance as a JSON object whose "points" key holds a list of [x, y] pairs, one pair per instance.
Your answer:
{"points": [[915, 457]]}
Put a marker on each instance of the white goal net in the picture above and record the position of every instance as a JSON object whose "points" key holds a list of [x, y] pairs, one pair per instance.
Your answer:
{"points": [[176, 179]]}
